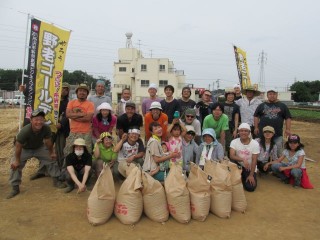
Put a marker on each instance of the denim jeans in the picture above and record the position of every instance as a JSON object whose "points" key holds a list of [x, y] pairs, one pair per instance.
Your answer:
{"points": [[296, 173]]}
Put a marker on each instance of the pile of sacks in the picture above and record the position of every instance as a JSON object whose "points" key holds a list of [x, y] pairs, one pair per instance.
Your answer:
{"points": [[217, 189]]}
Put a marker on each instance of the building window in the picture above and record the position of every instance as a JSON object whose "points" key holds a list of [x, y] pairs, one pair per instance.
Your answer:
{"points": [[144, 83], [143, 67], [162, 68], [163, 83], [122, 69]]}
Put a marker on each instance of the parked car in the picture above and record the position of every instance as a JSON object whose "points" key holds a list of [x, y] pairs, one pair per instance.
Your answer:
{"points": [[17, 100], [1, 100]]}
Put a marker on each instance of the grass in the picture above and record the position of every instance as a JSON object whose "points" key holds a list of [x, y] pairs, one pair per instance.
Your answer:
{"points": [[305, 114]]}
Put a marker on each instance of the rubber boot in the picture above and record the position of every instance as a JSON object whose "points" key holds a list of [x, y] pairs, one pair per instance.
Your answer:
{"points": [[15, 191], [57, 183], [36, 176]]}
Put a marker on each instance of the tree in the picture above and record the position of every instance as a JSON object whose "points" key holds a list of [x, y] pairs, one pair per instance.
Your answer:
{"points": [[305, 91]]}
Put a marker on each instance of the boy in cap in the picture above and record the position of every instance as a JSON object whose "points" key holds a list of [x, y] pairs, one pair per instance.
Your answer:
{"points": [[34, 140], [189, 148], [146, 103]]}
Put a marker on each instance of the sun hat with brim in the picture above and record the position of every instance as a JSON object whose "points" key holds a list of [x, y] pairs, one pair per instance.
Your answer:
{"points": [[268, 129], [79, 142], [211, 133], [66, 85], [105, 134], [251, 88], [82, 86], [155, 105], [104, 105], [130, 104], [37, 112]]}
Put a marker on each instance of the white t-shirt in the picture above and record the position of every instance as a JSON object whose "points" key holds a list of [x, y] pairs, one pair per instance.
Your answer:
{"points": [[245, 151]]}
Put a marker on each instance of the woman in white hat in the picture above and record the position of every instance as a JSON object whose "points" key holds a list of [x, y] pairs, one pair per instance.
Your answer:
{"points": [[79, 164], [104, 121]]}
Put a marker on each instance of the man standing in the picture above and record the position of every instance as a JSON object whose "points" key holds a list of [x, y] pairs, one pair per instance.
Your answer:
{"points": [[245, 151], [129, 119], [273, 113], [156, 115], [80, 113], [125, 97], [185, 102], [170, 105], [34, 140], [146, 103], [248, 105], [202, 107], [218, 121], [100, 96]]}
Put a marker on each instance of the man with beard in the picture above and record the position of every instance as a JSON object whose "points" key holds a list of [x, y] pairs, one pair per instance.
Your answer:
{"points": [[100, 96], [273, 113], [156, 115], [80, 113]]}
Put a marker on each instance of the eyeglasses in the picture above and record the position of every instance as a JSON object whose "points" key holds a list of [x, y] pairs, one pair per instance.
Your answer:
{"points": [[189, 116], [191, 133]]}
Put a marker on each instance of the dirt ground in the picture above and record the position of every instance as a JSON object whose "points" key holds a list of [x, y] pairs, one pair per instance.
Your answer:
{"points": [[40, 211]]}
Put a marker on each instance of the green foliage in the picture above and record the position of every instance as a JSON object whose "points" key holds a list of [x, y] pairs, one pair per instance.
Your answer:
{"points": [[306, 91], [11, 79], [305, 114]]}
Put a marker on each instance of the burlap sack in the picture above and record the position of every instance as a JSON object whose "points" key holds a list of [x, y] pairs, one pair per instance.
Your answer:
{"points": [[221, 188], [177, 195], [154, 199], [125, 168], [102, 198], [129, 204], [239, 202], [199, 187]]}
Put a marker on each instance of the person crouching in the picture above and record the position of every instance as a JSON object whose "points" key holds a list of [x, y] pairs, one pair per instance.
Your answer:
{"points": [[79, 164]]}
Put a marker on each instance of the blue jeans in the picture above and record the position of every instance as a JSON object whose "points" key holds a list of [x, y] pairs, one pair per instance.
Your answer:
{"points": [[296, 173], [279, 142]]}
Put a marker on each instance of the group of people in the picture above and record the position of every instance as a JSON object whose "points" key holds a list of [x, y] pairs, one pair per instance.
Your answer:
{"points": [[181, 131]]}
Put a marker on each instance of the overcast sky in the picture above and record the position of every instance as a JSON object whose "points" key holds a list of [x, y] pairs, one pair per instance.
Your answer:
{"points": [[196, 35]]}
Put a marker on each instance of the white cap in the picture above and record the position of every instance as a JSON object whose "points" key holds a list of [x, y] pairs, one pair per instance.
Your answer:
{"points": [[272, 90], [155, 105], [190, 128], [104, 105], [244, 126], [154, 86], [236, 85]]}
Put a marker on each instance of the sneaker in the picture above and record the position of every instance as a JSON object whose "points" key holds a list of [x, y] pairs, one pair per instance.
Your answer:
{"points": [[36, 176], [15, 191]]}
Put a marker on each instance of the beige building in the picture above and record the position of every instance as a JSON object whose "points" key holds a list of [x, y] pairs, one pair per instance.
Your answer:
{"points": [[137, 73]]}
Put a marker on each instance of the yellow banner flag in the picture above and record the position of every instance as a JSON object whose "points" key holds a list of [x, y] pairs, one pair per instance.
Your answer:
{"points": [[48, 47], [242, 67]]}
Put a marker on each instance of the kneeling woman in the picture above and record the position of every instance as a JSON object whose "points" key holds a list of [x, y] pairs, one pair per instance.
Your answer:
{"points": [[155, 162], [79, 164]]}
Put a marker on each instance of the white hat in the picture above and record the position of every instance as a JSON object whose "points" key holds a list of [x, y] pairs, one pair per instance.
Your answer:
{"points": [[236, 85], [155, 105], [190, 128], [104, 105], [154, 86], [244, 126], [272, 90]]}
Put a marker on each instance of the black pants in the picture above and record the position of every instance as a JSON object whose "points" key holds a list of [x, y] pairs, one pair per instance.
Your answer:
{"points": [[261, 165], [246, 184]]}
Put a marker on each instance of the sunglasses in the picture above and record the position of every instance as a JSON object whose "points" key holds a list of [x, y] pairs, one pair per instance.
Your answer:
{"points": [[191, 133], [189, 116]]}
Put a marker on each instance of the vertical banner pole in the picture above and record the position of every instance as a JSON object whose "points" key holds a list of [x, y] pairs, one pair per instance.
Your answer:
{"points": [[23, 68]]}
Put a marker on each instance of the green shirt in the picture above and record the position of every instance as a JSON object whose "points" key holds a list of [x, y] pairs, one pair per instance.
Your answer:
{"points": [[106, 154], [218, 125], [33, 140]]}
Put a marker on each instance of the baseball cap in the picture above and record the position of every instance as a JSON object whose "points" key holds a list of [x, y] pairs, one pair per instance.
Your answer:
{"points": [[268, 128], [154, 86], [130, 104], [272, 90], [190, 128], [37, 112], [294, 138]]}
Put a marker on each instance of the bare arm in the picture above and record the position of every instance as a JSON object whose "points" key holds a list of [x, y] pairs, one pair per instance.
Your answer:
{"points": [[256, 125], [288, 127], [120, 143], [236, 125], [164, 158], [73, 176], [86, 174]]}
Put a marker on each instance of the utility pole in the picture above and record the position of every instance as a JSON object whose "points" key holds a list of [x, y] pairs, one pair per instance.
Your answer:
{"points": [[262, 60], [218, 84], [150, 53]]}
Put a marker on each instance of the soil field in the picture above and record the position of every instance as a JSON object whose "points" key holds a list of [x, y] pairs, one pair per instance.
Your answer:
{"points": [[40, 211]]}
